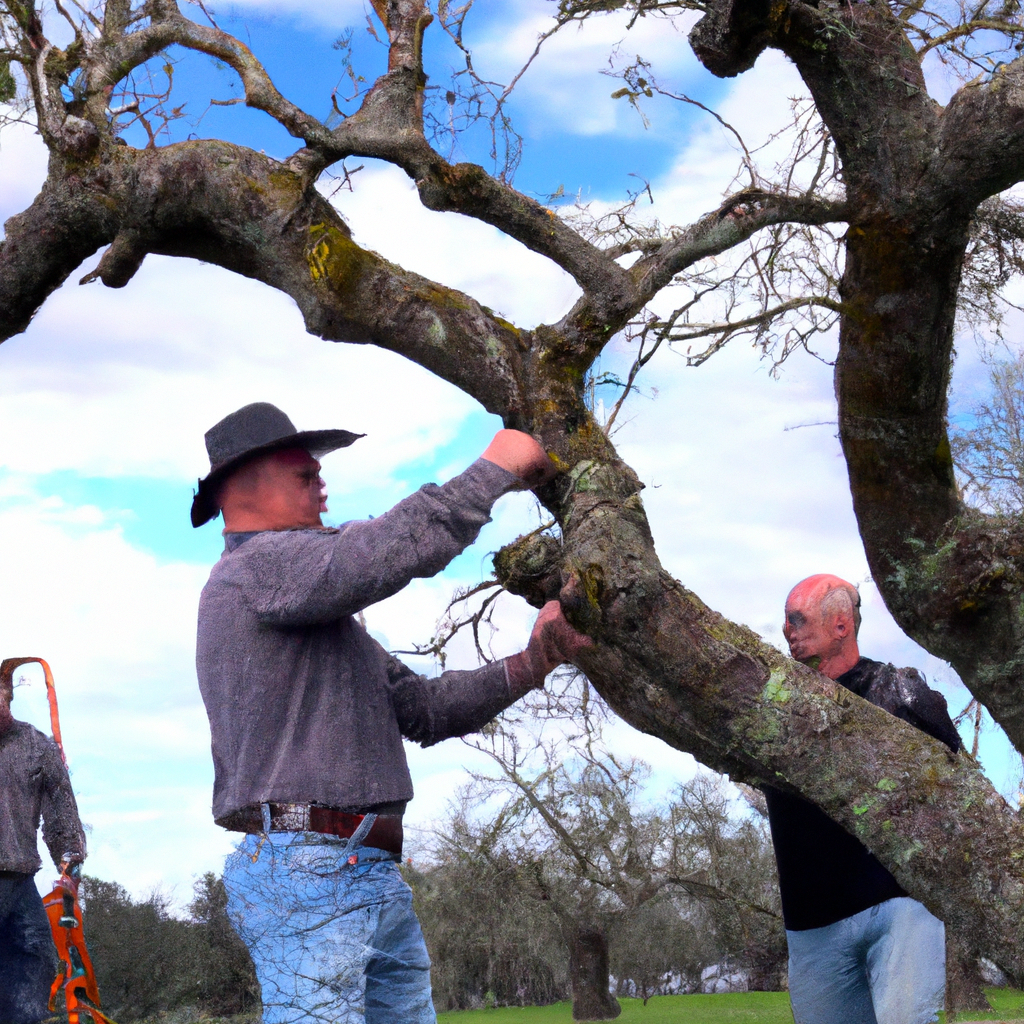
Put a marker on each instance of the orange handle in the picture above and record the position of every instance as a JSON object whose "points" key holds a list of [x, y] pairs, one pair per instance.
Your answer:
{"points": [[7, 667]]}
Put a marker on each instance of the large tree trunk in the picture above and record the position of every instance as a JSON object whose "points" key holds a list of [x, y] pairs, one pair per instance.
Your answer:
{"points": [[915, 174], [964, 983], [588, 971], [949, 576]]}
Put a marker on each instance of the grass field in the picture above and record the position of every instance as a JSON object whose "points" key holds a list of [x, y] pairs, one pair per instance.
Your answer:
{"points": [[729, 1008], [759, 1007]]}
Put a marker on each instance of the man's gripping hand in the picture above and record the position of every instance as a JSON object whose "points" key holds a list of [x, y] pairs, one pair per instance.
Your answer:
{"points": [[519, 453], [70, 873], [553, 642]]}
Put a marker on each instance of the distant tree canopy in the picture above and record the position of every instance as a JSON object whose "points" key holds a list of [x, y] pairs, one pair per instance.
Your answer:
{"points": [[989, 447], [559, 867], [889, 219], [147, 961], [502, 919]]}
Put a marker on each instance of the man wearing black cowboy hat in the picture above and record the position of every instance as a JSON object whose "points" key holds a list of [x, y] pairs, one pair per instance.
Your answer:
{"points": [[307, 711]]}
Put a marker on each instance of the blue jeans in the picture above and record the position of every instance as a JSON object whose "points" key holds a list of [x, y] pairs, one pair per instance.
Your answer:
{"points": [[332, 942], [885, 965], [28, 961]]}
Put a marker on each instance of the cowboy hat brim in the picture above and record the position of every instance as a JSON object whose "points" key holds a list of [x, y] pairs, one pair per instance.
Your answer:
{"points": [[317, 442]]}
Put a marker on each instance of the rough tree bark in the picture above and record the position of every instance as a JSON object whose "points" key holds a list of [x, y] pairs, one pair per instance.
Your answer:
{"points": [[588, 971], [663, 660], [915, 174]]}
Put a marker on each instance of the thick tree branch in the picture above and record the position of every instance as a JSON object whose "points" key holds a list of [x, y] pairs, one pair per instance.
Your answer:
{"points": [[981, 139], [389, 126], [43, 245], [675, 669], [168, 27], [737, 219], [864, 76], [202, 199]]}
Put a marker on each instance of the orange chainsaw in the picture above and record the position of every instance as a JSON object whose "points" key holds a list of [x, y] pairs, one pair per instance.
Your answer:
{"points": [[76, 977]]}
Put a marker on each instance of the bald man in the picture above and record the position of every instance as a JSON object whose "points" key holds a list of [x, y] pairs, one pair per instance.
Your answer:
{"points": [[860, 950]]}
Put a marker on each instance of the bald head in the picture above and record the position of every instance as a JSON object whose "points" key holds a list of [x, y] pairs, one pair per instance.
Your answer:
{"points": [[822, 621]]}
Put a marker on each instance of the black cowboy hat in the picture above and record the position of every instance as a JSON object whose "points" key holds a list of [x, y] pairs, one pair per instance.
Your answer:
{"points": [[254, 430]]}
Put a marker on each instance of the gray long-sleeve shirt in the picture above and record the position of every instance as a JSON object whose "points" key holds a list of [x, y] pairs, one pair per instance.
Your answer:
{"points": [[304, 706], [34, 783]]}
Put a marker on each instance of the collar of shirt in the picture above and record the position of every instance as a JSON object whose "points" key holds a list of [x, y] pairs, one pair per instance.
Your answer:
{"points": [[860, 677], [233, 541]]}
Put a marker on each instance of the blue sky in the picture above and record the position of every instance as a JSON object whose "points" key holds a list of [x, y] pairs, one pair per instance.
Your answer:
{"points": [[565, 144], [104, 400]]}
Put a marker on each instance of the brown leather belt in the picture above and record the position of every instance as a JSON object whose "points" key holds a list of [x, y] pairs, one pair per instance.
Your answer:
{"points": [[386, 833]]}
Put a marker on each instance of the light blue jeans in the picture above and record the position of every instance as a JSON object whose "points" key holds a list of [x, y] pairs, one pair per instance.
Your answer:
{"points": [[333, 942], [885, 965]]}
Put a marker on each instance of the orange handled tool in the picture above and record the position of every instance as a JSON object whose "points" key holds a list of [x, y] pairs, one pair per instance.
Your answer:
{"points": [[76, 977], [7, 667]]}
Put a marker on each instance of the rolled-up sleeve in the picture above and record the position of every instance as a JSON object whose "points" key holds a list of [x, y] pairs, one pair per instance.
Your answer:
{"points": [[297, 578]]}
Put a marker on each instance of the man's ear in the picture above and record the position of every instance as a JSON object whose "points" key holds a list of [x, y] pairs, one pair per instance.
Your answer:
{"points": [[843, 627]]}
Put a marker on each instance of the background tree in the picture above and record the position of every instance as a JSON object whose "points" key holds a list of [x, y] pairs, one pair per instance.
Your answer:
{"points": [[566, 825], [224, 977], [140, 951], [148, 961], [489, 941], [913, 182], [989, 447]]}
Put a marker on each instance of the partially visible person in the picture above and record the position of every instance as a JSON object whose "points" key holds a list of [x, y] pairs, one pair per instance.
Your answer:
{"points": [[34, 784], [307, 711], [861, 951]]}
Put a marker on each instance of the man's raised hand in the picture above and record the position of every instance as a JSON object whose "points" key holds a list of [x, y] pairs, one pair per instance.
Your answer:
{"points": [[521, 454]]}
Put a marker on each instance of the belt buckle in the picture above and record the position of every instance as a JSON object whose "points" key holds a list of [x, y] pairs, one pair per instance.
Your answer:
{"points": [[290, 817]]}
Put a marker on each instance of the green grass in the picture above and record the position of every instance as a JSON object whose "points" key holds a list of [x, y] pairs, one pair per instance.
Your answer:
{"points": [[728, 1008], [1007, 1005]]}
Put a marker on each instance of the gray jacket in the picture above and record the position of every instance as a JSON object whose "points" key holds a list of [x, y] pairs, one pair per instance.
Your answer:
{"points": [[34, 783], [304, 706]]}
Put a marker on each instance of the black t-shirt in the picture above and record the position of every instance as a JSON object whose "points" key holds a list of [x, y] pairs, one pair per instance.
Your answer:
{"points": [[826, 874]]}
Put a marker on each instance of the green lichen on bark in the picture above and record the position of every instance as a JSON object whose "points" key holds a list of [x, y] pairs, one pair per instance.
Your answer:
{"points": [[334, 258], [8, 85]]}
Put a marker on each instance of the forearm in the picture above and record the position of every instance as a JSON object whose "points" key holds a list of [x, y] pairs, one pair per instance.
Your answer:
{"points": [[302, 579], [62, 827], [452, 704], [420, 535], [526, 671]]}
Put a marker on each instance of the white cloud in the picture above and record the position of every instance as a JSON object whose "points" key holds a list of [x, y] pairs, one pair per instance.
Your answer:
{"points": [[563, 89], [335, 15], [385, 215]]}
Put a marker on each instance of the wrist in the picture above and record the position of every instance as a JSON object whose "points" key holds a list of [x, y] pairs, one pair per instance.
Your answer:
{"points": [[525, 672]]}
